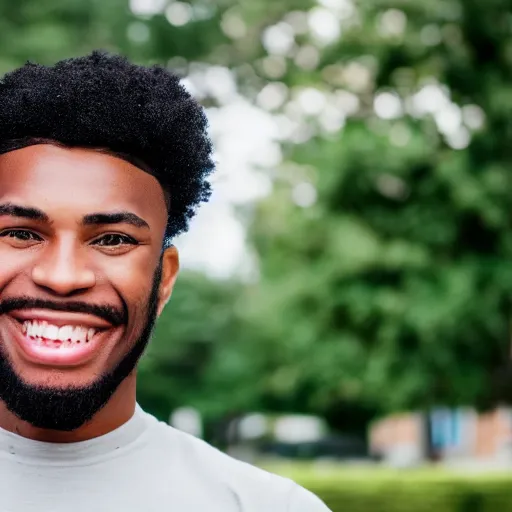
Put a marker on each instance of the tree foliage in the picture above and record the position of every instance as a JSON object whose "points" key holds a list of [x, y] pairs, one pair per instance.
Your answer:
{"points": [[385, 246], [395, 285]]}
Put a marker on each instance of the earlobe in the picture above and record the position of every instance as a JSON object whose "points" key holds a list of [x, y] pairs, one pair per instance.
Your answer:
{"points": [[170, 269]]}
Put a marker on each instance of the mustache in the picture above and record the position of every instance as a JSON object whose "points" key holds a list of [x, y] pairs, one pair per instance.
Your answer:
{"points": [[107, 312]]}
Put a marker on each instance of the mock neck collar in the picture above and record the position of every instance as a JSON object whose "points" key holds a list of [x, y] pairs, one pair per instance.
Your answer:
{"points": [[30, 451]]}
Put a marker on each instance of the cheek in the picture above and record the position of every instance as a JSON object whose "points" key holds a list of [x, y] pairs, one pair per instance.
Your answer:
{"points": [[14, 268], [132, 277], [133, 282], [13, 260]]}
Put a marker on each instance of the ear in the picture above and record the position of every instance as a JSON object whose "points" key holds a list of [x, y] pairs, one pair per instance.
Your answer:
{"points": [[170, 268]]}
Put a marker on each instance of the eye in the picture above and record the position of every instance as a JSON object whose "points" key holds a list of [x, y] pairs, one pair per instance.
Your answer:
{"points": [[21, 235], [115, 240]]}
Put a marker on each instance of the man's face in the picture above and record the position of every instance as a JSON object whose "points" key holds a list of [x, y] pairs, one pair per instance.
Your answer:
{"points": [[82, 279]]}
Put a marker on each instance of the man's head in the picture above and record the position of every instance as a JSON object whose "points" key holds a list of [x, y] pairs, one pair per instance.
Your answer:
{"points": [[101, 164]]}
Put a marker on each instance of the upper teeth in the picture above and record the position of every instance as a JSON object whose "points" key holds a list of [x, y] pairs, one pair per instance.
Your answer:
{"points": [[48, 331]]}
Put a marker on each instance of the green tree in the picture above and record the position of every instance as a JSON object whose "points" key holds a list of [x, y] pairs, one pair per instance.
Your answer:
{"points": [[393, 289], [175, 370]]}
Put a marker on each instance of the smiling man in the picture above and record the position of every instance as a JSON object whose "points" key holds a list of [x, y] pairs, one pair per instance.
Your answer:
{"points": [[102, 163]]}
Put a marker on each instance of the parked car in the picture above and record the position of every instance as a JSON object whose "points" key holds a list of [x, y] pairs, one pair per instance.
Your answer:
{"points": [[335, 447]]}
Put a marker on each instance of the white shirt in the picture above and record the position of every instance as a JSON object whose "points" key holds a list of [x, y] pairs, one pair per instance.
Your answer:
{"points": [[143, 466]]}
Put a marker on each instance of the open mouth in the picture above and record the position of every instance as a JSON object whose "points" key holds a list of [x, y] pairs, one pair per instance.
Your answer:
{"points": [[67, 344]]}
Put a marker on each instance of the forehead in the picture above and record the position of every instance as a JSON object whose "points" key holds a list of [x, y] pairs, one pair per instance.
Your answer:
{"points": [[80, 180]]}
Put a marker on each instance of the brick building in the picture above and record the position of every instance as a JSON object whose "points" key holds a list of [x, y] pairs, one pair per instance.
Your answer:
{"points": [[451, 434]]}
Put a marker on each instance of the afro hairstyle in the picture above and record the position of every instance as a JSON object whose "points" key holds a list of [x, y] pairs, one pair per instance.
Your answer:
{"points": [[102, 101]]}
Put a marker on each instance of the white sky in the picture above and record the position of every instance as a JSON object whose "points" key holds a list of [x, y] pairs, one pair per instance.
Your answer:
{"points": [[244, 137]]}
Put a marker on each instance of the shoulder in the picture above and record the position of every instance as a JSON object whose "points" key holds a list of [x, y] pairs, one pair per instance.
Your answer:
{"points": [[248, 483]]}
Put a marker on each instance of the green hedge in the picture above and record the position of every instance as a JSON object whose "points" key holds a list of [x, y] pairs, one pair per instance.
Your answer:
{"points": [[406, 491]]}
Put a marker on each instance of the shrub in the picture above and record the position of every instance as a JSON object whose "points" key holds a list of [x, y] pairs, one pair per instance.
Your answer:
{"points": [[405, 491]]}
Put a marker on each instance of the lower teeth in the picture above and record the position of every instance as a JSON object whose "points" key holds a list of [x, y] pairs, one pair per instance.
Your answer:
{"points": [[47, 341]]}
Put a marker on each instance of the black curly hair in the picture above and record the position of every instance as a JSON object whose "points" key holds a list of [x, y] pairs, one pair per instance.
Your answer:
{"points": [[102, 101]]}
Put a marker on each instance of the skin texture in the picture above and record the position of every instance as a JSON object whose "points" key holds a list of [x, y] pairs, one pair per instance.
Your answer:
{"points": [[61, 260]]}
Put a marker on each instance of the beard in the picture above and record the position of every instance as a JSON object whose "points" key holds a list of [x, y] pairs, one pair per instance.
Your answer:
{"points": [[68, 409]]}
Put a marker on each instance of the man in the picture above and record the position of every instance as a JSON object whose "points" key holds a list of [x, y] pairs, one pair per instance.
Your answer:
{"points": [[102, 163]]}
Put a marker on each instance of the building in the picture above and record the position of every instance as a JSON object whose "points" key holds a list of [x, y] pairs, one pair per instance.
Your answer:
{"points": [[444, 434]]}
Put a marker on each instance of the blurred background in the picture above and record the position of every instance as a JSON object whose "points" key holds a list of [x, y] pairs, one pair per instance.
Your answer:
{"points": [[344, 315]]}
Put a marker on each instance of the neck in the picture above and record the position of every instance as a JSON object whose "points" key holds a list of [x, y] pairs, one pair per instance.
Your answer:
{"points": [[116, 412]]}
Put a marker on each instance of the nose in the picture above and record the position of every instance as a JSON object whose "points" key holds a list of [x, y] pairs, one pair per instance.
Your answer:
{"points": [[62, 269]]}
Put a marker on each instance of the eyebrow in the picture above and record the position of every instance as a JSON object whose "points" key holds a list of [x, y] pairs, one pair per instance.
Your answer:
{"points": [[92, 219], [114, 218], [25, 212]]}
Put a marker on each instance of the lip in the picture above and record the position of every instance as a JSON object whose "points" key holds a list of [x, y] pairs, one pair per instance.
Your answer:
{"points": [[56, 356]]}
